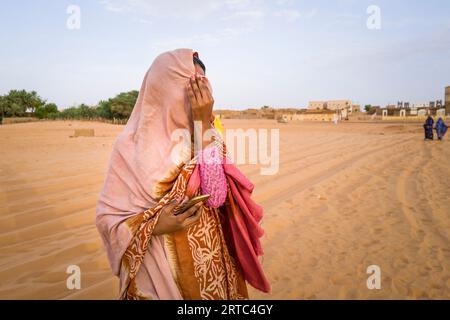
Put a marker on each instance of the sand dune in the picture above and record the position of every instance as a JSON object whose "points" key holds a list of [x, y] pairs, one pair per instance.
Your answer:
{"points": [[345, 197]]}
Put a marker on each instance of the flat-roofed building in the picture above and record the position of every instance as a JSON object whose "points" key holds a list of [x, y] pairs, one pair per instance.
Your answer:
{"points": [[338, 104], [317, 105], [342, 108], [447, 100], [330, 105], [310, 115], [355, 109]]}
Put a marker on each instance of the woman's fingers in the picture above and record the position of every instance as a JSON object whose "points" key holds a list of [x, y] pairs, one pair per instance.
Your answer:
{"points": [[206, 94], [200, 98], [180, 205], [191, 94], [191, 211], [199, 82], [170, 206], [194, 218], [196, 89]]}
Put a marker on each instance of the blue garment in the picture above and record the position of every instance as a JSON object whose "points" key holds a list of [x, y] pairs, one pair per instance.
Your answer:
{"points": [[428, 126], [441, 128]]}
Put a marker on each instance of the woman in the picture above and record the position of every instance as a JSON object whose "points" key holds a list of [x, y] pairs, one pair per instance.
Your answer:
{"points": [[428, 127], [158, 252], [441, 128]]}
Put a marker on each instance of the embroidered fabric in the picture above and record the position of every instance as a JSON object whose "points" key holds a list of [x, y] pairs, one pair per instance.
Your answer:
{"points": [[212, 175]]}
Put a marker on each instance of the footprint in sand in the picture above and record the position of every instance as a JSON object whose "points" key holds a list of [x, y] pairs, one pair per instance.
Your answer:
{"points": [[419, 234], [340, 279], [377, 231], [401, 286], [426, 221], [420, 293], [424, 271], [436, 266], [312, 262], [400, 263]]}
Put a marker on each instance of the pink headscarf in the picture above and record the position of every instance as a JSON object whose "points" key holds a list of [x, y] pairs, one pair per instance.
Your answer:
{"points": [[145, 161]]}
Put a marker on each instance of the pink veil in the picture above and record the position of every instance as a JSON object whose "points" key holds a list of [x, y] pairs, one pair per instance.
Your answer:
{"points": [[141, 168]]}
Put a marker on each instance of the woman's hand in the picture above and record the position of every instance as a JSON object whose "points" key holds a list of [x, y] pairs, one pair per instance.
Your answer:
{"points": [[168, 222], [201, 100]]}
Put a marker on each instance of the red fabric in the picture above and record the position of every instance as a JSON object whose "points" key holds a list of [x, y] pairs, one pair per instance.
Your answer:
{"points": [[193, 183], [241, 218]]}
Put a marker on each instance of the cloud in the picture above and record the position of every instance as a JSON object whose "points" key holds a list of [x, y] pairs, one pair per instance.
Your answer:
{"points": [[255, 14], [189, 41], [142, 21], [291, 15], [205, 38], [232, 18], [203, 9], [113, 6], [284, 2], [193, 9]]}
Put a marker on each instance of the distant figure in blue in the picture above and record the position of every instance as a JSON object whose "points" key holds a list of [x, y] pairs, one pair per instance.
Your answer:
{"points": [[428, 126], [441, 128]]}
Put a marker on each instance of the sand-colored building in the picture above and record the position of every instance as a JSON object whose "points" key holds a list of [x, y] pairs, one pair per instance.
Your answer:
{"points": [[262, 113], [311, 115], [447, 100], [355, 108], [317, 105], [330, 105], [343, 108], [339, 111]]}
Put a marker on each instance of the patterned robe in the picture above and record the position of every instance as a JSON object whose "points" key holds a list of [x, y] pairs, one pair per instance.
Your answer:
{"points": [[200, 261]]}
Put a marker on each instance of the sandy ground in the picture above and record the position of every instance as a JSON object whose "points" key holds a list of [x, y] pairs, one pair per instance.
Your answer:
{"points": [[345, 197]]}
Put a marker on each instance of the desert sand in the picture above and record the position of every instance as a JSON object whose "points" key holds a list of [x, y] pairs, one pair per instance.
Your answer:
{"points": [[345, 197]]}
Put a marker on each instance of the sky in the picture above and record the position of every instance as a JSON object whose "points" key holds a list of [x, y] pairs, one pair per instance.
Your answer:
{"points": [[281, 53]]}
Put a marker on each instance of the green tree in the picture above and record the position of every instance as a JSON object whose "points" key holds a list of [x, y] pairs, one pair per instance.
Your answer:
{"points": [[2, 107], [70, 113], [48, 111], [51, 108], [104, 110], [122, 105], [17, 102], [16, 110], [367, 107]]}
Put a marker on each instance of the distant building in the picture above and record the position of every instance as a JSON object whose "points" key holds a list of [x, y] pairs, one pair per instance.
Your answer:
{"points": [[416, 107], [355, 108], [374, 110], [317, 105], [447, 100], [342, 108], [330, 105], [339, 104], [310, 115], [432, 108]]}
